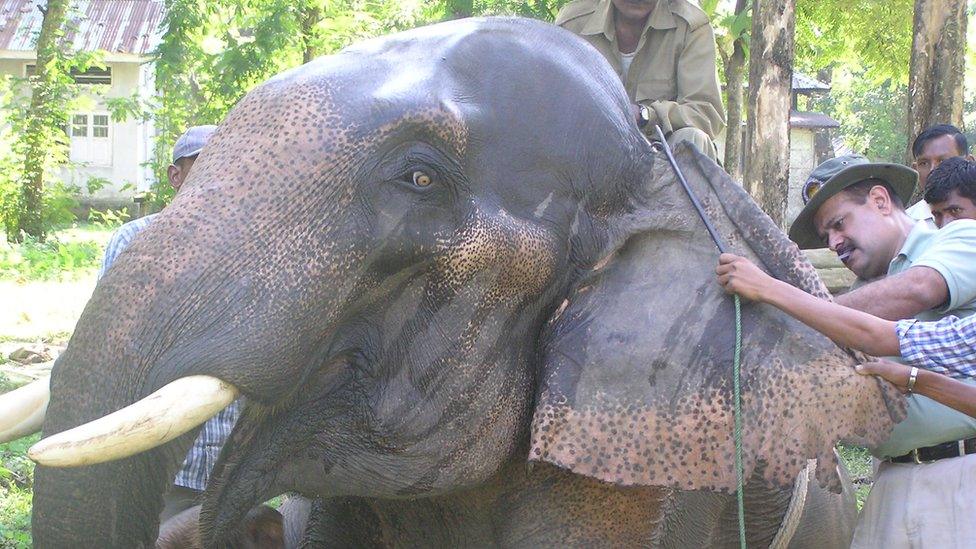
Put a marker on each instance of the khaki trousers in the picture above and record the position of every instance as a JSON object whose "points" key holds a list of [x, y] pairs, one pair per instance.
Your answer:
{"points": [[929, 505], [697, 138]]}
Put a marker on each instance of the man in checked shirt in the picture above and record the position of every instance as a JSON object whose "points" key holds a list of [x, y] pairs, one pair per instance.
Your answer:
{"points": [[193, 475]]}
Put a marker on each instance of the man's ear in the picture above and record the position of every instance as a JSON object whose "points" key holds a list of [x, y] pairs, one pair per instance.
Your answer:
{"points": [[175, 175], [880, 197], [915, 165]]}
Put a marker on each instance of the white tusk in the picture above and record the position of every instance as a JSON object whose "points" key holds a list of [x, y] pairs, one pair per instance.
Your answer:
{"points": [[22, 410], [148, 423]]}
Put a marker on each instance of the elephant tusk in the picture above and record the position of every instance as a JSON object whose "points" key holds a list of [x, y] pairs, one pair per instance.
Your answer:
{"points": [[153, 421], [22, 410]]}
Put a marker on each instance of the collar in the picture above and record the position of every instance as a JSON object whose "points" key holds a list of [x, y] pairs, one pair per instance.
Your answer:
{"points": [[601, 20], [914, 243]]}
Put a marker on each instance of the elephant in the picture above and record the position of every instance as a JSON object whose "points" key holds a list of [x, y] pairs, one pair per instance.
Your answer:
{"points": [[467, 304]]}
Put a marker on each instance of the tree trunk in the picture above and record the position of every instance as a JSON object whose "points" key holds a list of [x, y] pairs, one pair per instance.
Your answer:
{"points": [[770, 75], [42, 121], [935, 80], [734, 73], [311, 15]]}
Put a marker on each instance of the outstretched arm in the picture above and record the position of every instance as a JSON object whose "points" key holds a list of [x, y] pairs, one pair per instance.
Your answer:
{"points": [[846, 327], [903, 295], [942, 389]]}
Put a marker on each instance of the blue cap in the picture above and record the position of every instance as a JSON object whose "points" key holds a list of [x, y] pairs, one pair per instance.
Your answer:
{"points": [[192, 142]]}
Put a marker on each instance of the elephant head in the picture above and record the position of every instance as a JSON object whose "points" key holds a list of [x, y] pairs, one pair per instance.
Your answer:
{"points": [[401, 255]]}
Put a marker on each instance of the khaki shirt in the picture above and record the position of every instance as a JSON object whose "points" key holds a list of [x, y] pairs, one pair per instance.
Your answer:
{"points": [[673, 72]]}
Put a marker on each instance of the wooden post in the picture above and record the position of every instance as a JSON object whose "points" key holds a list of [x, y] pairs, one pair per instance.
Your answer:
{"points": [[768, 129]]}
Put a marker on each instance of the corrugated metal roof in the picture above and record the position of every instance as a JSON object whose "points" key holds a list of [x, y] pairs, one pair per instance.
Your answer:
{"points": [[114, 26], [800, 119], [803, 83]]}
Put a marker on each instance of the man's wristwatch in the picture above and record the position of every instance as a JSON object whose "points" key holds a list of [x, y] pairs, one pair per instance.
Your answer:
{"points": [[643, 115]]}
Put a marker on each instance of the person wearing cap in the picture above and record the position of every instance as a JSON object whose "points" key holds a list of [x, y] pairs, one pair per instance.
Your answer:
{"points": [[905, 270], [664, 53], [933, 145], [191, 479]]}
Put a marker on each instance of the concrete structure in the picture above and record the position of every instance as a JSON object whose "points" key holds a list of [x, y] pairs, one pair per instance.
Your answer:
{"points": [[125, 32]]}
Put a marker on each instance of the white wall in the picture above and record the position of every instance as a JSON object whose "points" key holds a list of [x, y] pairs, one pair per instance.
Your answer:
{"points": [[128, 138], [802, 158]]}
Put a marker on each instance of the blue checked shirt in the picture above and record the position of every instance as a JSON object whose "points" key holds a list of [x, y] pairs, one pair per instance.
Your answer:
{"points": [[946, 346], [200, 460]]}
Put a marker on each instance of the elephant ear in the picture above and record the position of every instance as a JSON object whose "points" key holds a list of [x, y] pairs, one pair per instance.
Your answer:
{"points": [[636, 385]]}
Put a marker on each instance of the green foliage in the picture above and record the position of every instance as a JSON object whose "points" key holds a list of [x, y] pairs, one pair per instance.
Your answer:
{"points": [[51, 259], [108, 218], [867, 33], [858, 462], [872, 116], [16, 485]]}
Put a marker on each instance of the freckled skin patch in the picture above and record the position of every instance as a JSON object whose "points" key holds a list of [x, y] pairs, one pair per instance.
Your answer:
{"points": [[800, 393]]}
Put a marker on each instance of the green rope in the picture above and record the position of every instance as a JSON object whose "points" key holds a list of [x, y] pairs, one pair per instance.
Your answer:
{"points": [[737, 389]]}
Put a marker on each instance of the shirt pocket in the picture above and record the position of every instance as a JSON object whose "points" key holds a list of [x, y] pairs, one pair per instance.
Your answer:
{"points": [[655, 89]]}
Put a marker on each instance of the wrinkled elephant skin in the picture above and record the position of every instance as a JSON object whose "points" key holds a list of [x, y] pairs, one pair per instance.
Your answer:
{"points": [[405, 257]]}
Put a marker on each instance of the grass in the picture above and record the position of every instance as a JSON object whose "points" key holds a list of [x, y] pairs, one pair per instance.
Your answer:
{"points": [[858, 462], [16, 485]]}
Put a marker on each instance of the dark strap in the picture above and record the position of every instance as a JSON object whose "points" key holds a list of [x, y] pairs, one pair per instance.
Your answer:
{"points": [[694, 199], [945, 450]]}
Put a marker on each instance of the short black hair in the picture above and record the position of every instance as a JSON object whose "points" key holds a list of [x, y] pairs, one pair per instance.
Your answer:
{"points": [[952, 174], [858, 192], [934, 132]]}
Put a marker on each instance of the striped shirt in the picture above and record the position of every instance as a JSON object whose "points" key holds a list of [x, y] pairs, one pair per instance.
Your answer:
{"points": [[195, 471], [946, 346]]}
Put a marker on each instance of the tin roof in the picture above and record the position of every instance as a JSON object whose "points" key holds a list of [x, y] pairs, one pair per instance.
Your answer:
{"points": [[803, 83], [114, 26], [800, 119]]}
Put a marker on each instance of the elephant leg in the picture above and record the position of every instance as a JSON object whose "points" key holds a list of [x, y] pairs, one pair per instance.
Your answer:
{"points": [[828, 519]]}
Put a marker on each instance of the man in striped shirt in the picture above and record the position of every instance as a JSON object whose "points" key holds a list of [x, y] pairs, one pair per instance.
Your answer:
{"points": [[192, 477]]}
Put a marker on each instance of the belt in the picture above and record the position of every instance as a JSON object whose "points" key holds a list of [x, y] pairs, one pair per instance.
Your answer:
{"points": [[945, 450]]}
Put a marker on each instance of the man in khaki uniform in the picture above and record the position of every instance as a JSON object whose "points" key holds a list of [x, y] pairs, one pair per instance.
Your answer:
{"points": [[664, 52]]}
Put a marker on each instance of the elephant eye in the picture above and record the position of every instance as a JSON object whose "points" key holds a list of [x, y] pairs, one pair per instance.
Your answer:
{"points": [[421, 179]]}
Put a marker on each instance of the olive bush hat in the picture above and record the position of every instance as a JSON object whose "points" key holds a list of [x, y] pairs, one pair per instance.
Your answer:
{"points": [[835, 175]]}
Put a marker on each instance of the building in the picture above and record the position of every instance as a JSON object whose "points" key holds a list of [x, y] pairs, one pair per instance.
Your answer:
{"points": [[125, 32]]}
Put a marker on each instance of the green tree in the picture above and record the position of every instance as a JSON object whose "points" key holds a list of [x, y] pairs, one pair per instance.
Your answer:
{"points": [[42, 133]]}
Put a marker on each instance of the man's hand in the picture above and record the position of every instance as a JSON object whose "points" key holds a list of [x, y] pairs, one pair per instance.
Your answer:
{"points": [[738, 275], [893, 372]]}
